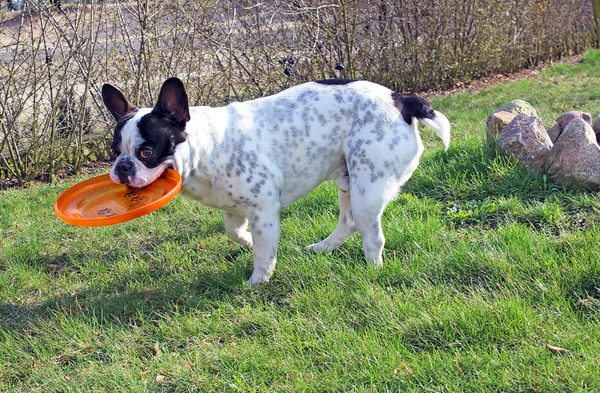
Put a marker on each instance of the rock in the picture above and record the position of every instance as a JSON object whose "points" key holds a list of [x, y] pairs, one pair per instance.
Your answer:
{"points": [[502, 117], [519, 106], [554, 132], [596, 128], [496, 123], [575, 158], [526, 139], [563, 120]]}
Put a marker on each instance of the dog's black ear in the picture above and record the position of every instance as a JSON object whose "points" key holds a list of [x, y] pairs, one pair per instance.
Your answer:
{"points": [[173, 102], [116, 102]]}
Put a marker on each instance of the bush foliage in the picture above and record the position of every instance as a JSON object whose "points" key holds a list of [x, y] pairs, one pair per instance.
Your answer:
{"points": [[55, 59]]}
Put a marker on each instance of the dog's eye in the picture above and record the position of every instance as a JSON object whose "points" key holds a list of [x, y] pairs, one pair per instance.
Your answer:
{"points": [[145, 153]]}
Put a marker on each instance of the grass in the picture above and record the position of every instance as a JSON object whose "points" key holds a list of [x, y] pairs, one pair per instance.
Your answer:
{"points": [[485, 266]]}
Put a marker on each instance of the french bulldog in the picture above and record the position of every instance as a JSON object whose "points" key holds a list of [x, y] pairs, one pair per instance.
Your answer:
{"points": [[252, 159]]}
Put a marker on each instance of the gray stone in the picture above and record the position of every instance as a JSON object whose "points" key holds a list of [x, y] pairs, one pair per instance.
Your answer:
{"points": [[496, 123], [563, 120], [519, 106], [502, 117], [526, 139], [554, 132], [574, 161], [596, 127]]}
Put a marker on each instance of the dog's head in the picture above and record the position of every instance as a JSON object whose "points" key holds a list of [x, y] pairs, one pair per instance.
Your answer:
{"points": [[145, 139]]}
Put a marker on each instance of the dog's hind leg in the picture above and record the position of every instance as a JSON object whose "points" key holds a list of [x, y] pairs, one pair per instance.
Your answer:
{"points": [[345, 226], [367, 207]]}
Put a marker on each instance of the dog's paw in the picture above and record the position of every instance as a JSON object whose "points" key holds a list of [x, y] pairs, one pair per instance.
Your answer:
{"points": [[258, 279], [245, 238], [246, 241], [378, 263], [319, 247]]}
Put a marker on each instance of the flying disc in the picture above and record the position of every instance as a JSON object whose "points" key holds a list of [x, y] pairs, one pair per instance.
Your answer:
{"points": [[99, 201]]}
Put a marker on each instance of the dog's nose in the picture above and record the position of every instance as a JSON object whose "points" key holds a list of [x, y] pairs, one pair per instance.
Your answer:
{"points": [[124, 166], [124, 169]]}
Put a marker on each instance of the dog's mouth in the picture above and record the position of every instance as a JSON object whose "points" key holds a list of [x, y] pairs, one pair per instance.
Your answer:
{"points": [[144, 181], [141, 182], [136, 180], [140, 176]]}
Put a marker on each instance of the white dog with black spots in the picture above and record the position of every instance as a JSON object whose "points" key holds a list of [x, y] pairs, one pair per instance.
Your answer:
{"points": [[251, 159]]}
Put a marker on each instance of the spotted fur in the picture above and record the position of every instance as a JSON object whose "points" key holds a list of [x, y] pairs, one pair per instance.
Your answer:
{"points": [[252, 159]]}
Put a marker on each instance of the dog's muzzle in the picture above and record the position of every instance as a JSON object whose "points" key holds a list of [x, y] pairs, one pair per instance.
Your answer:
{"points": [[125, 169]]}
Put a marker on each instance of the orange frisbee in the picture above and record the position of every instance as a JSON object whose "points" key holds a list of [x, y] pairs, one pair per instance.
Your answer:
{"points": [[99, 201]]}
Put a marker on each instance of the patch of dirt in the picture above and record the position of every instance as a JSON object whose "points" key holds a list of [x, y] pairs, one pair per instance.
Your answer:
{"points": [[91, 168], [483, 82]]}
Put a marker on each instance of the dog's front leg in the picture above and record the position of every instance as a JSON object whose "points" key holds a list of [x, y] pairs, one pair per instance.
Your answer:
{"points": [[265, 238], [237, 229]]}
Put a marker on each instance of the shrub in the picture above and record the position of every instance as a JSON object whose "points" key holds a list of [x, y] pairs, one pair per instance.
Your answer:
{"points": [[57, 57]]}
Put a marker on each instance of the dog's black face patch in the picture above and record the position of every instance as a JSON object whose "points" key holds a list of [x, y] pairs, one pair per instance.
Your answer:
{"points": [[413, 106], [160, 138], [116, 143], [335, 82]]}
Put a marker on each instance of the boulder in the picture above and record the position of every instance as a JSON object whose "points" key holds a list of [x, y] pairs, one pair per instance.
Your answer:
{"points": [[526, 139], [563, 120], [596, 128], [502, 117], [519, 106], [496, 123], [575, 158]]}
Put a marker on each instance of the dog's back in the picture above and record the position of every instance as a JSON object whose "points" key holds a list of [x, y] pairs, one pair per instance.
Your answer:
{"points": [[318, 131]]}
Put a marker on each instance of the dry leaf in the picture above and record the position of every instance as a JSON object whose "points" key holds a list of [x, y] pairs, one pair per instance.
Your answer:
{"points": [[458, 369], [67, 378], [160, 378], [556, 350], [586, 303], [404, 370]]}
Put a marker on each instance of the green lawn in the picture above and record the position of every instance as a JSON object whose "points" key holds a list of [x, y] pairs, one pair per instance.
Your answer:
{"points": [[485, 266]]}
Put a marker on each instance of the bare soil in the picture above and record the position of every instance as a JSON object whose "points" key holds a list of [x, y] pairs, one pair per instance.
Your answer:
{"points": [[486, 81]]}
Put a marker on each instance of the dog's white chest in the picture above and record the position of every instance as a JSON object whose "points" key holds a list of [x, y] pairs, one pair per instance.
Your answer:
{"points": [[203, 191]]}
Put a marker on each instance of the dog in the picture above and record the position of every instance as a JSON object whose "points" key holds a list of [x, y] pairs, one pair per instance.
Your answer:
{"points": [[251, 159]]}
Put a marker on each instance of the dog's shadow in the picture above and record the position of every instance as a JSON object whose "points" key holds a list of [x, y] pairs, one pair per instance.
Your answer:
{"points": [[123, 297], [121, 302]]}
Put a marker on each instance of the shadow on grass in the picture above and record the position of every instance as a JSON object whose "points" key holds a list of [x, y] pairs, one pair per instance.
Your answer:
{"points": [[119, 303], [472, 171], [584, 296]]}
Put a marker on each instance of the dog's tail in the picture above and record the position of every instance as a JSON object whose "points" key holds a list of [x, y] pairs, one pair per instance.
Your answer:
{"points": [[440, 125], [419, 108]]}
